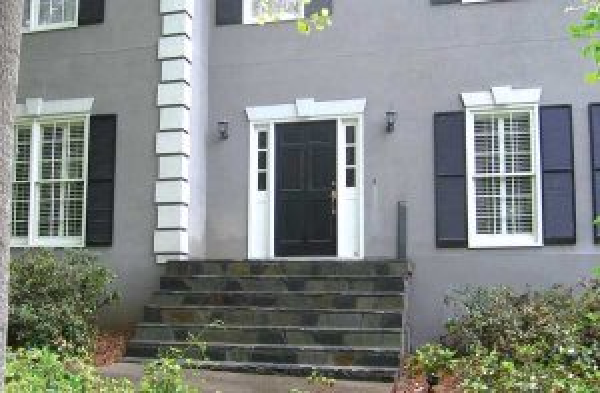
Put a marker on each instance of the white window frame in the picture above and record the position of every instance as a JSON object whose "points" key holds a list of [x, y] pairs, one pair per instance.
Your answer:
{"points": [[500, 100], [34, 25], [35, 112], [250, 19]]}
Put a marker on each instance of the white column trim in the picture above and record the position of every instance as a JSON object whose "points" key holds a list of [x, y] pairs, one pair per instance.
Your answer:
{"points": [[174, 103]]}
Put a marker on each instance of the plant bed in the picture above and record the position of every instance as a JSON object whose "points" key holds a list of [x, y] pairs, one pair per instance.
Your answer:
{"points": [[110, 346]]}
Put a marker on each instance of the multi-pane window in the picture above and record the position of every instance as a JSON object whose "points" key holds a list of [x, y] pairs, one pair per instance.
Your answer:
{"points": [[350, 156], [503, 175], [49, 182], [49, 14], [263, 157], [266, 11]]}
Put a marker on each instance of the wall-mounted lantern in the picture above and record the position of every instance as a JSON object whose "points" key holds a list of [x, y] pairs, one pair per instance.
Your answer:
{"points": [[390, 121], [223, 129]]}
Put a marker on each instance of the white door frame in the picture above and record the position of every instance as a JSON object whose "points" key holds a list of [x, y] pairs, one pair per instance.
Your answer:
{"points": [[261, 203]]}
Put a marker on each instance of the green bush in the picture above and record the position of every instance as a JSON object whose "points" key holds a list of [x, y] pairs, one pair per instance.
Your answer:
{"points": [[41, 370], [507, 341], [54, 299], [555, 320]]}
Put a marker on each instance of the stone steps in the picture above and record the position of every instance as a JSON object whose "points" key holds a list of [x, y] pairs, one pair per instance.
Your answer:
{"points": [[343, 318], [300, 370], [319, 355], [290, 335], [329, 267], [276, 316], [290, 299], [281, 283]]}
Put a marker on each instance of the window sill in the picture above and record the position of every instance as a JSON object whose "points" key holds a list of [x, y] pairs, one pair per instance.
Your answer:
{"points": [[48, 243], [41, 29], [504, 241]]}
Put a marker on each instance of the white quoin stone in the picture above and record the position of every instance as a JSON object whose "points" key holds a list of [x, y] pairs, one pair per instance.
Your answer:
{"points": [[170, 241], [172, 191], [175, 118], [178, 46], [172, 143], [176, 70], [173, 167], [173, 216], [180, 23], [178, 93], [168, 6]]}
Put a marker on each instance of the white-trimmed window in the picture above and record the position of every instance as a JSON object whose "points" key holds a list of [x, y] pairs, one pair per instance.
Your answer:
{"points": [[49, 182], [256, 11], [503, 169], [49, 14]]}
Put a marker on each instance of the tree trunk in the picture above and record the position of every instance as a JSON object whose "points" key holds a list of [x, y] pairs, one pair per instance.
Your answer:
{"points": [[10, 43]]}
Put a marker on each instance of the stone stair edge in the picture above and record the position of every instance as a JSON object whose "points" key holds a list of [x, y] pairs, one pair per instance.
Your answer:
{"points": [[285, 309], [270, 327], [313, 348]]}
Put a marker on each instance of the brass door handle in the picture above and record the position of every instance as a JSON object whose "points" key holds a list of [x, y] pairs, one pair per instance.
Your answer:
{"points": [[333, 196]]}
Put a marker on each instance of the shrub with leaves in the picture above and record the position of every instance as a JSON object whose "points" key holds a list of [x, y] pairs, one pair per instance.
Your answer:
{"points": [[55, 298], [41, 370], [507, 341], [504, 320]]}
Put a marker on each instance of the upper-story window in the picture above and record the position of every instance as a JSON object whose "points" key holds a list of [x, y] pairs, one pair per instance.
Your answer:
{"points": [[261, 11], [49, 14]]}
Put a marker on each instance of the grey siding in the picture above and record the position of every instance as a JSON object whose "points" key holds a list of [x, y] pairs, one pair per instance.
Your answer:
{"points": [[115, 62], [415, 58]]}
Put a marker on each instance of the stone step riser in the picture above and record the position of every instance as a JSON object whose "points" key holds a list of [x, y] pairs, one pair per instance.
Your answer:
{"points": [[286, 299], [289, 337], [256, 317], [287, 268], [257, 283], [281, 355]]}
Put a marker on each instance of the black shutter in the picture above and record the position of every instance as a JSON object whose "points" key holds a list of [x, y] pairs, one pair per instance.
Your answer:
{"points": [[558, 182], [317, 6], [450, 180], [594, 112], [229, 12], [101, 180], [91, 12]]}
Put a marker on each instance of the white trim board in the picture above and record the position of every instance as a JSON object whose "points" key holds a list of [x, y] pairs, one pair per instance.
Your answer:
{"points": [[39, 107], [261, 203], [307, 107], [501, 95]]}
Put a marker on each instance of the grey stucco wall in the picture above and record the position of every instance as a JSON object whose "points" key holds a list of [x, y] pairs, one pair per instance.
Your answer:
{"points": [[417, 59], [114, 62]]}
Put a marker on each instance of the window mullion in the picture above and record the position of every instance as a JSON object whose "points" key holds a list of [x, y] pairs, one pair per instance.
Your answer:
{"points": [[503, 212], [33, 185]]}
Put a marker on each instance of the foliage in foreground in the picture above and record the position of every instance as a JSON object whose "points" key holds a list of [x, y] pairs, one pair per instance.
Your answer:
{"points": [[55, 299], [589, 30], [505, 341], [42, 370]]}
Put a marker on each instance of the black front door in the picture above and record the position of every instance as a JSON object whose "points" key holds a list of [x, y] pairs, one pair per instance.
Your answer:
{"points": [[305, 203]]}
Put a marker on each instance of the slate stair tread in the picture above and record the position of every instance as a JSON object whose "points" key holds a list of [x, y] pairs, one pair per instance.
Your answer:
{"points": [[301, 293], [277, 328], [326, 348], [259, 308], [355, 372]]}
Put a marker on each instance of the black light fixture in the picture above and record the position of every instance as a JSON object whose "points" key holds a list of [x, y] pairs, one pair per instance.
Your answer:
{"points": [[390, 121], [223, 129]]}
